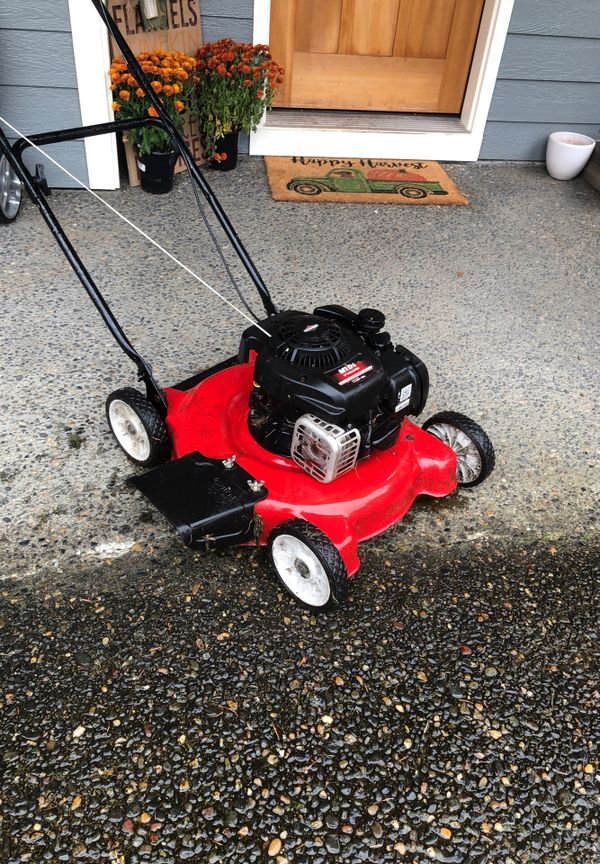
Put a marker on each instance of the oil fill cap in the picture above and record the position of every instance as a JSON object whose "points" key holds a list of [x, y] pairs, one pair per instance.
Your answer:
{"points": [[370, 320]]}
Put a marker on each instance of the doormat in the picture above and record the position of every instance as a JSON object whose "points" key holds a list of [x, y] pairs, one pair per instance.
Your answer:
{"points": [[360, 181]]}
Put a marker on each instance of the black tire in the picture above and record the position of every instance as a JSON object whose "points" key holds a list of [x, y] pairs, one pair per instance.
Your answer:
{"points": [[413, 192], [477, 436], [326, 553], [156, 444], [11, 193], [305, 188]]}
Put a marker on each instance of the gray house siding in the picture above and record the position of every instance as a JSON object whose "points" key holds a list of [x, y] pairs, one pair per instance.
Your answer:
{"points": [[38, 84], [232, 18], [549, 78]]}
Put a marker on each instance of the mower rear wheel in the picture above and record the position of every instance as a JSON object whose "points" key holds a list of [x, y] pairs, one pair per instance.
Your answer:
{"points": [[10, 192], [308, 565], [475, 456], [139, 429]]}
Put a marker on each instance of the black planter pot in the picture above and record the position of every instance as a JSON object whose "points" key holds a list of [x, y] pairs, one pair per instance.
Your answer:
{"points": [[157, 171], [228, 144]]}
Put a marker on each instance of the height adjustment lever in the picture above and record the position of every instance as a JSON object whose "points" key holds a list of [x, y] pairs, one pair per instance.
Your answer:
{"points": [[40, 179]]}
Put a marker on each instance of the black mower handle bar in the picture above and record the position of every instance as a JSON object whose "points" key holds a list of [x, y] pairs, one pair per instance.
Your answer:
{"points": [[187, 157], [36, 192]]}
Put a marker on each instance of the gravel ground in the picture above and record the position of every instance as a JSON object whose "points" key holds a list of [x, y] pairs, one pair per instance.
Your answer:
{"points": [[500, 299], [187, 711]]}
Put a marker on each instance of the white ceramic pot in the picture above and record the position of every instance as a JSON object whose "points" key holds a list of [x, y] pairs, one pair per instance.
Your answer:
{"points": [[567, 154]]}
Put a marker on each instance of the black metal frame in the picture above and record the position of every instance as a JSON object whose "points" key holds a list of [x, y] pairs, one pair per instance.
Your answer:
{"points": [[14, 155]]}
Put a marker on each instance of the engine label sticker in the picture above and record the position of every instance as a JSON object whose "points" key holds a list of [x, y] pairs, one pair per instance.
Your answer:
{"points": [[403, 398], [351, 373]]}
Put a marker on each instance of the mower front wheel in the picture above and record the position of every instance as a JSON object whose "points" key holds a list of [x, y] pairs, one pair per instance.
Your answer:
{"points": [[308, 565], [139, 429], [475, 456]]}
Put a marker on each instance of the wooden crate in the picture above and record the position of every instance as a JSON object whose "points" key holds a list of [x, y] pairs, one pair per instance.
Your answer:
{"points": [[184, 33]]}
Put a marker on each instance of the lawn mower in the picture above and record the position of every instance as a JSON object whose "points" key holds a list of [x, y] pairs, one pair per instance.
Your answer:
{"points": [[303, 442]]}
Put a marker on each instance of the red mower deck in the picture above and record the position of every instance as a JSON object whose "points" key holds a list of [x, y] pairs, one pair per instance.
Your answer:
{"points": [[212, 419]]}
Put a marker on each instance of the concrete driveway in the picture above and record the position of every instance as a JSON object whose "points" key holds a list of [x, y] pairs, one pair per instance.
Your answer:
{"points": [[499, 298]]}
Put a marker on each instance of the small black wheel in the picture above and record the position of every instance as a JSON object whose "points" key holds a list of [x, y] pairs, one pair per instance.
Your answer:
{"points": [[475, 456], [412, 192], [139, 429], [306, 188], [11, 190], [308, 565]]}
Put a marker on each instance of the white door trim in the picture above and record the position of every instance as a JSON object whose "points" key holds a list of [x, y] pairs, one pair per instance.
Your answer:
{"points": [[463, 144], [92, 59]]}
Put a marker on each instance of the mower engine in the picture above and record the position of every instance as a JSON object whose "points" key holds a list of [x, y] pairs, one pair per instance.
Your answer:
{"points": [[330, 388]]}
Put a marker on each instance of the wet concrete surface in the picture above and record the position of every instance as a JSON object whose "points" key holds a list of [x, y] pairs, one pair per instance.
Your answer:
{"points": [[181, 708]]}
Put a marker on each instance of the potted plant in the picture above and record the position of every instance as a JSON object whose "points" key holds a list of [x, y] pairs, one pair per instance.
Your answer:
{"points": [[234, 85], [169, 75]]}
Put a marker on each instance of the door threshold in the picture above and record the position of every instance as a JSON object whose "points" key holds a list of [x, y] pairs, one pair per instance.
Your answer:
{"points": [[360, 134], [361, 121]]}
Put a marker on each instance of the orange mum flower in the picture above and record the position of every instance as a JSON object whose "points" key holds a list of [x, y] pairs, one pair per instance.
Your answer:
{"points": [[124, 95], [179, 105], [139, 93], [116, 106], [152, 111], [156, 86]]}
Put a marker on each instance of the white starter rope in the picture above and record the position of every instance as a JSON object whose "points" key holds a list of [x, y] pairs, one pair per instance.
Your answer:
{"points": [[135, 227]]}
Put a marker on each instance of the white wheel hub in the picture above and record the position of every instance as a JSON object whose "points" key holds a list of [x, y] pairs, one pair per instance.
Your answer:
{"points": [[10, 189], [129, 430], [468, 458], [300, 570]]}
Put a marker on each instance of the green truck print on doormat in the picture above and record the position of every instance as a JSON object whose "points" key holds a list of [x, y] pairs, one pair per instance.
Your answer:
{"points": [[348, 180]]}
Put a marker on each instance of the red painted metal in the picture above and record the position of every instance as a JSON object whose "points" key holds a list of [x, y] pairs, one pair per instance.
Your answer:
{"points": [[212, 418]]}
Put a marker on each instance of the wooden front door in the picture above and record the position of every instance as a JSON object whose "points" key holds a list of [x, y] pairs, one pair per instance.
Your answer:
{"points": [[374, 55]]}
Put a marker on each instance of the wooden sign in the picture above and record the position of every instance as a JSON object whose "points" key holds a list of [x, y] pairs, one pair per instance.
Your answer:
{"points": [[183, 33]]}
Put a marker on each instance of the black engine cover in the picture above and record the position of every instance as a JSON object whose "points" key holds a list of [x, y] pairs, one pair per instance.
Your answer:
{"points": [[336, 365]]}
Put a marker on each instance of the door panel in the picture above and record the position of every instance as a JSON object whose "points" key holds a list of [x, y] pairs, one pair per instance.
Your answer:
{"points": [[318, 26], [428, 24], [388, 55], [368, 28]]}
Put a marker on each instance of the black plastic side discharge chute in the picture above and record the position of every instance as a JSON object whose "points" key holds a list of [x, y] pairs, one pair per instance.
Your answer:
{"points": [[209, 504]]}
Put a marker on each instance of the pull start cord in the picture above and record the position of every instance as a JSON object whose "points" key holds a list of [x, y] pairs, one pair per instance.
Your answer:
{"points": [[134, 226]]}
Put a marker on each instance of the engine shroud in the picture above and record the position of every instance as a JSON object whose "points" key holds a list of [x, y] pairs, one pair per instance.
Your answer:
{"points": [[336, 365]]}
